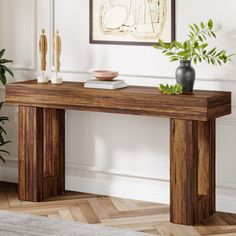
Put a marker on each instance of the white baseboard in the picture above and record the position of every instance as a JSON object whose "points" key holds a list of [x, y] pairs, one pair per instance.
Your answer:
{"points": [[149, 190], [224, 205], [153, 192], [8, 174]]}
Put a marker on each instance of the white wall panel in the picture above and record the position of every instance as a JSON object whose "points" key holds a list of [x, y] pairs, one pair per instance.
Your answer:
{"points": [[18, 19]]}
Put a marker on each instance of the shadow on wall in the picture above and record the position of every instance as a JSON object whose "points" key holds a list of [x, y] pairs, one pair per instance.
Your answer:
{"points": [[117, 143]]}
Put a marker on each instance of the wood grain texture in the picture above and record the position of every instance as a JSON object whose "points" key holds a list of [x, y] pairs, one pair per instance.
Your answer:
{"points": [[137, 100], [134, 215], [41, 153], [183, 171], [192, 171], [54, 152], [206, 168], [30, 153]]}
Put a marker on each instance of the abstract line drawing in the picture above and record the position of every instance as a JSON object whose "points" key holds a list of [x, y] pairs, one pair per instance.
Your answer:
{"points": [[132, 20], [144, 19]]}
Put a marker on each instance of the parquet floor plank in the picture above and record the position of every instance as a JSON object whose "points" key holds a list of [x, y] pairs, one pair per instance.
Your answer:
{"points": [[99, 210], [89, 213], [4, 203], [77, 214], [65, 214], [13, 198], [108, 205], [140, 216]]}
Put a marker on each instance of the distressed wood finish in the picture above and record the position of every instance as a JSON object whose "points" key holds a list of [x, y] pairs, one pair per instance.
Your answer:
{"points": [[192, 137], [30, 153], [183, 169], [53, 152], [192, 170], [41, 153], [206, 168], [136, 100]]}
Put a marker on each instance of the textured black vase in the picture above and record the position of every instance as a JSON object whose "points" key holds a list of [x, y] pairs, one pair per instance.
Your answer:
{"points": [[185, 75]]}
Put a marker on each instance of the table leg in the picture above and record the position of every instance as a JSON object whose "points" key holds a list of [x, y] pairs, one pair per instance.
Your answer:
{"points": [[192, 170], [41, 153]]}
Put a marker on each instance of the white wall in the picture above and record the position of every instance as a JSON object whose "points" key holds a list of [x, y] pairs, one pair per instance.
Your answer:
{"points": [[119, 155]]}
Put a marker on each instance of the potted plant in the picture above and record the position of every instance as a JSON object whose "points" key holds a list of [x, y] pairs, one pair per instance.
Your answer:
{"points": [[194, 49], [3, 70]]}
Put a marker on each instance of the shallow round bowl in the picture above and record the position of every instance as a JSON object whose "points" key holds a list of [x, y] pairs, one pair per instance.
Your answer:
{"points": [[105, 74]]}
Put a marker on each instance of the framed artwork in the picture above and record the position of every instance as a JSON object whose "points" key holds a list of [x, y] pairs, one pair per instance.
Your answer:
{"points": [[132, 22]]}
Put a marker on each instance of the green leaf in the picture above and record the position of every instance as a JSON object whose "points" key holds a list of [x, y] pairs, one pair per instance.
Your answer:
{"points": [[192, 28], [196, 44], [1, 139], [161, 86], [162, 44], [1, 103], [7, 70], [219, 53], [182, 53], [210, 24], [204, 45], [178, 44], [211, 51], [4, 61], [2, 159], [169, 53], [185, 45], [4, 118], [174, 59], [196, 27], [157, 46], [4, 143], [213, 34], [171, 89], [200, 38], [2, 131], [2, 52], [202, 25], [3, 79]]}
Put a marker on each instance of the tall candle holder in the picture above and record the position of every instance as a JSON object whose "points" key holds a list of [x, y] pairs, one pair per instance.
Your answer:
{"points": [[43, 47], [57, 55]]}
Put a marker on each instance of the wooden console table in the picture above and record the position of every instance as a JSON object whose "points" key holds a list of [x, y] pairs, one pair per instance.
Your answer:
{"points": [[192, 137]]}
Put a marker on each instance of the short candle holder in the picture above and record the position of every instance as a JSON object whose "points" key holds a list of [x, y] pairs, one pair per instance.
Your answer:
{"points": [[56, 79]]}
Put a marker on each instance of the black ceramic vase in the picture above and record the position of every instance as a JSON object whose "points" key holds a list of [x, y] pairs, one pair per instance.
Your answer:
{"points": [[185, 75]]}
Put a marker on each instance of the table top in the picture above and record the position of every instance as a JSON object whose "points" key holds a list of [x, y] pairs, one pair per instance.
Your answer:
{"points": [[137, 100]]}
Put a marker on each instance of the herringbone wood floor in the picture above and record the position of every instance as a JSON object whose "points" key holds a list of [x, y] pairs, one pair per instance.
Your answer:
{"points": [[115, 212]]}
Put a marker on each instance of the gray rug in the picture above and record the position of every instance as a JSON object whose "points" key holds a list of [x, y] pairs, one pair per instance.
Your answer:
{"points": [[12, 224]]}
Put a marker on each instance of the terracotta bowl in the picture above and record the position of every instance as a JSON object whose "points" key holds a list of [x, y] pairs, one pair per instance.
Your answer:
{"points": [[105, 74]]}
